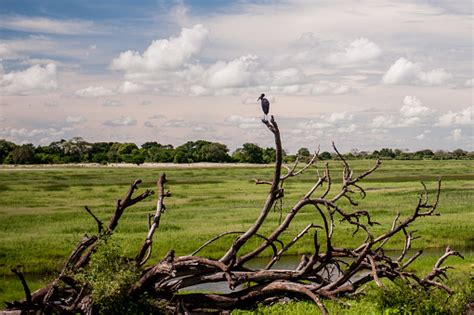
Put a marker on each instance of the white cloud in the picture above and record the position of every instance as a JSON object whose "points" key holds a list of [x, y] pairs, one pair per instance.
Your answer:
{"points": [[75, 119], [469, 83], [347, 129], [46, 25], [287, 76], [382, 121], [401, 71], [164, 54], [6, 52], [456, 134], [404, 71], [413, 107], [358, 51], [409, 121], [34, 80], [128, 87], [198, 90], [93, 92], [463, 117], [235, 73], [123, 121], [337, 116], [434, 77]]}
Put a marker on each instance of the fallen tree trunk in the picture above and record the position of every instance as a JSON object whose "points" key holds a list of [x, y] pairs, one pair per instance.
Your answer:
{"points": [[329, 273]]}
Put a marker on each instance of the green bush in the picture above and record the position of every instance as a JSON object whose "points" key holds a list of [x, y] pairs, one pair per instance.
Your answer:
{"points": [[399, 298], [109, 275]]}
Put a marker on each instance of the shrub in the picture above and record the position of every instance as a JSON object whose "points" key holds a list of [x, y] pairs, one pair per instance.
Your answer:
{"points": [[108, 276]]}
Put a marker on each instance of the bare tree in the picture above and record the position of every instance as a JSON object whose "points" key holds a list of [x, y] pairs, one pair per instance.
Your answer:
{"points": [[327, 272]]}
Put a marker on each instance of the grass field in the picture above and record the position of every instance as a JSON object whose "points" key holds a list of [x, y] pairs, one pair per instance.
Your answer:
{"points": [[42, 211]]}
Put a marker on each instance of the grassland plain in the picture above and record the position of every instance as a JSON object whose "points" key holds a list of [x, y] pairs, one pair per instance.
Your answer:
{"points": [[42, 211]]}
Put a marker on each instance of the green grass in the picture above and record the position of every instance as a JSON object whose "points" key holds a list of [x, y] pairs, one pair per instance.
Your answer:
{"points": [[42, 213]]}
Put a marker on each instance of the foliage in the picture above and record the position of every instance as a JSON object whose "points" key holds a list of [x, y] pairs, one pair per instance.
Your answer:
{"points": [[400, 298], [108, 276]]}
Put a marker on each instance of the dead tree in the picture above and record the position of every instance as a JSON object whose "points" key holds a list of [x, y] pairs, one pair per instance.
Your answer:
{"points": [[327, 272]]}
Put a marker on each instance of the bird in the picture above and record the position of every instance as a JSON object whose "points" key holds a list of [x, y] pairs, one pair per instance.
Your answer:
{"points": [[265, 105]]}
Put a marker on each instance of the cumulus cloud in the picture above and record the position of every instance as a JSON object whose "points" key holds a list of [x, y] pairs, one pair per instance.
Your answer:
{"points": [[412, 107], [463, 117], [164, 54], [434, 77], [337, 117], [122, 121], [128, 87], [93, 92], [405, 71], [383, 121], [34, 80], [75, 119], [172, 67], [288, 76], [358, 51], [401, 71], [235, 73], [198, 90], [347, 129]]}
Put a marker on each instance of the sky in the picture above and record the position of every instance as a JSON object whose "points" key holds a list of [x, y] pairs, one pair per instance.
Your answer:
{"points": [[365, 74]]}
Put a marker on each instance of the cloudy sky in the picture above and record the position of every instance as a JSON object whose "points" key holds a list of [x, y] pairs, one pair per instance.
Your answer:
{"points": [[365, 74]]}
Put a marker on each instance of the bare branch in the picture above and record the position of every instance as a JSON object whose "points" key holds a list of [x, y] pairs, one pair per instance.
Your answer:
{"points": [[145, 250], [100, 225], [26, 289]]}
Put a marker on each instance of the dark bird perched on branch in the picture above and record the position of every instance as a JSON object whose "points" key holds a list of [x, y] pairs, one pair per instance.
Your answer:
{"points": [[265, 105]]}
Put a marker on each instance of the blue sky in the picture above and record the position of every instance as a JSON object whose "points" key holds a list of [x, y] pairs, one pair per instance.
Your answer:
{"points": [[365, 74]]}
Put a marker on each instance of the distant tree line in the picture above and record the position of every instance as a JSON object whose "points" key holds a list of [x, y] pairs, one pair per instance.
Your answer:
{"points": [[77, 150]]}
